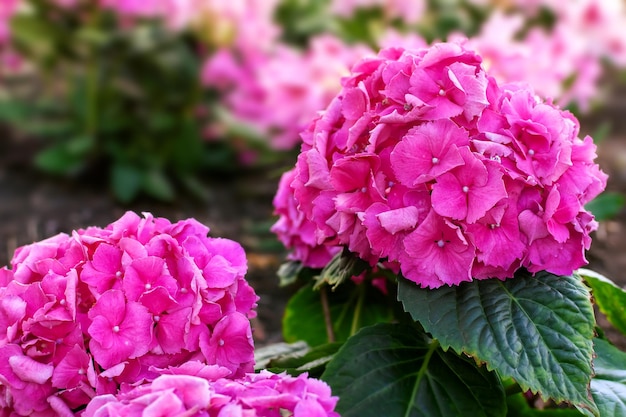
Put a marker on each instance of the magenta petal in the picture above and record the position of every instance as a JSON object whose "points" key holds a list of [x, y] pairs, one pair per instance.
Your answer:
{"points": [[399, 219], [193, 391], [29, 370], [428, 151], [219, 272], [437, 253]]}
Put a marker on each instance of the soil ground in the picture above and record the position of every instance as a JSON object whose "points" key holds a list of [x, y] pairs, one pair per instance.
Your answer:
{"points": [[34, 206]]}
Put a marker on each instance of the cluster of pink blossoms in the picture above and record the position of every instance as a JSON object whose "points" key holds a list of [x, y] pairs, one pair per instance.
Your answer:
{"points": [[204, 393], [424, 161], [105, 309], [279, 90], [564, 62]]}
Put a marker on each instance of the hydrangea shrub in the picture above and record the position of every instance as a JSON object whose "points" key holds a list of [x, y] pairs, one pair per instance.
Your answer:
{"points": [[466, 197], [101, 311]]}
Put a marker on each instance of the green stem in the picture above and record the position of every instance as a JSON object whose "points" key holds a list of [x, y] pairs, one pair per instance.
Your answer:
{"points": [[356, 318], [330, 333]]}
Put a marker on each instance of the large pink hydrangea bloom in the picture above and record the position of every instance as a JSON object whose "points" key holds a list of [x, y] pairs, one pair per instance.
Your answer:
{"points": [[202, 392], [105, 309], [424, 161]]}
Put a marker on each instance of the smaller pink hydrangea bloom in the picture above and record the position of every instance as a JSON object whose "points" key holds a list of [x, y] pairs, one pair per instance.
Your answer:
{"points": [[104, 309]]}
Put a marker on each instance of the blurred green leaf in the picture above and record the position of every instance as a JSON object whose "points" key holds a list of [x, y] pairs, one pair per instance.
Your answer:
{"points": [[156, 184], [125, 182], [351, 307], [59, 160], [610, 299], [606, 206]]}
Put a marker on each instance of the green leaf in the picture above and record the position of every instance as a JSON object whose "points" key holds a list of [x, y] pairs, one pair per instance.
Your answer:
{"points": [[608, 386], [607, 205], [57, 159], [125, 182], [395, 370], [518, 407], [602, 131], [289, 272], [264, 354], [610, 299], [351, 307], [312, 361], [537, 329], [156, 184], [342, 267]]}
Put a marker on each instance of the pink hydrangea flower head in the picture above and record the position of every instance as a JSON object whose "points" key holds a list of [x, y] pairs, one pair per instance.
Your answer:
{"points": [[260, 394], [423, 160], [103, 309]]}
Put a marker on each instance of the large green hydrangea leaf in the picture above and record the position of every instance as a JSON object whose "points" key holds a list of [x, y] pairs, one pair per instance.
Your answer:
{"points": [[395, 370], [537, 329]]}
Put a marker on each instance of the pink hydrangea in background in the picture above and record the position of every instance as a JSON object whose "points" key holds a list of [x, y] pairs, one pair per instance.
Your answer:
{"points": [[279, 91], [425, 161], [105, 309], [410, 11], [564, 62], [186, 394]]}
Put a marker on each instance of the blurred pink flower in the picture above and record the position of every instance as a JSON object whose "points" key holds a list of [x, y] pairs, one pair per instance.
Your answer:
{"points": [[277, 92], [409, 11]]}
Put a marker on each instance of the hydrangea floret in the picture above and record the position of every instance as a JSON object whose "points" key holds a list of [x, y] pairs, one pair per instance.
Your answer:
{"points": [[204, 393], [423, 160], [105, 309]]}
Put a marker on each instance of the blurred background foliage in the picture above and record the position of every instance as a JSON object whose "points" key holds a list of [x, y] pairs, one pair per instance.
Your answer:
{"points": [[153, 97]]}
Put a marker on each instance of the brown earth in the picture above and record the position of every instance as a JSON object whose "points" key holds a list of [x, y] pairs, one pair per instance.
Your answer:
{"points": [[34, 206]]}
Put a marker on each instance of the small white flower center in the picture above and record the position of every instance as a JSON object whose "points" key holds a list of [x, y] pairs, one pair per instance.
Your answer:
{"points": [[364, 189], [116, 329], [62, 302], [156, 318], [441, 243], [183, 290], [221, 342], [81, 371], [465, 189], [442, 92], [148, 286], [531, 152], [118, 274], [435, 160]]}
